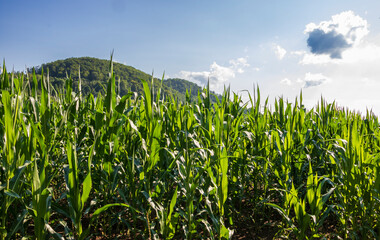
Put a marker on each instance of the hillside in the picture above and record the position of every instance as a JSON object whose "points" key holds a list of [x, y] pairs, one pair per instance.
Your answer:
{"points": [[94, 73]]}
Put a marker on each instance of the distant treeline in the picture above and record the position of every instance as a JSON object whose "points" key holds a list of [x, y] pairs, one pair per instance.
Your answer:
{"points": [[95, 72]]}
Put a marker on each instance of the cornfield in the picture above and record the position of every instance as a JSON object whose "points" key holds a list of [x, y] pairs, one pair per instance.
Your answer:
{"points": [[152, 167]]}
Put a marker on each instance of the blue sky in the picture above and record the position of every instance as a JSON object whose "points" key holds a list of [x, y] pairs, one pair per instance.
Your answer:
{"points": [[329, 48]]}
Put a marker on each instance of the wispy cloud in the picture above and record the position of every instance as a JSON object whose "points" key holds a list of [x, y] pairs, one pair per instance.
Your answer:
{"points": [[314, 79], [217, 75], [279, 51], [298, 53], [308, 81], [239, 64], [117, 61]]}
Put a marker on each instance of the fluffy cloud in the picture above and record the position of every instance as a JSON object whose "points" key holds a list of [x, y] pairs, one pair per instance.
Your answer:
{"points": [[331, 43], [286, 81], [343, 31], [352, 80], [279, 51], [217, 75]]}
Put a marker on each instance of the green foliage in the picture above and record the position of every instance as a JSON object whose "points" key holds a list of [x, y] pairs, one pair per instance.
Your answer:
{"points": [[94, 74], [152, 166]]}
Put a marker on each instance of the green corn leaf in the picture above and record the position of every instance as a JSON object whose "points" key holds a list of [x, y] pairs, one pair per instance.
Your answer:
{"points": [[310, 192], [17, 225], [110, 100], [282, 212], [224, 168], [224, 232], [87, 185], [35, 85], [99, 120], [44, 94], [36, 181], [10, 135], [155, 146], [69, 90], [121, 106], [105, 208], [172, 203], [12, 194], [147, 100], [72, 176]]}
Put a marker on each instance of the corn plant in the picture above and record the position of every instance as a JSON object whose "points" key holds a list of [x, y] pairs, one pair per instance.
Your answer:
{"points": [[12, 163], [77, 199], [150, 166]]}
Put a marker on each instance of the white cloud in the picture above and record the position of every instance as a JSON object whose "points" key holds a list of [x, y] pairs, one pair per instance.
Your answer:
{"points": [[365, 52], [279, 51], [368, 52], [309, 80], [352, 80], [298, 53], [286, 81], [217, 75], [314, 79], [309, 58], [351, 26], [344, 31], [239, 64], [198, 77], [354, 29]]}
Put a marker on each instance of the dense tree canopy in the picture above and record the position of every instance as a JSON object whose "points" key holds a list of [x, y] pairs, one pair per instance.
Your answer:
{"points": [[95, 72]]}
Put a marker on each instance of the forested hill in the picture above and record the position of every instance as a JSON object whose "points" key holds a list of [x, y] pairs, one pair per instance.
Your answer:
{"points": [[94, 73]]}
